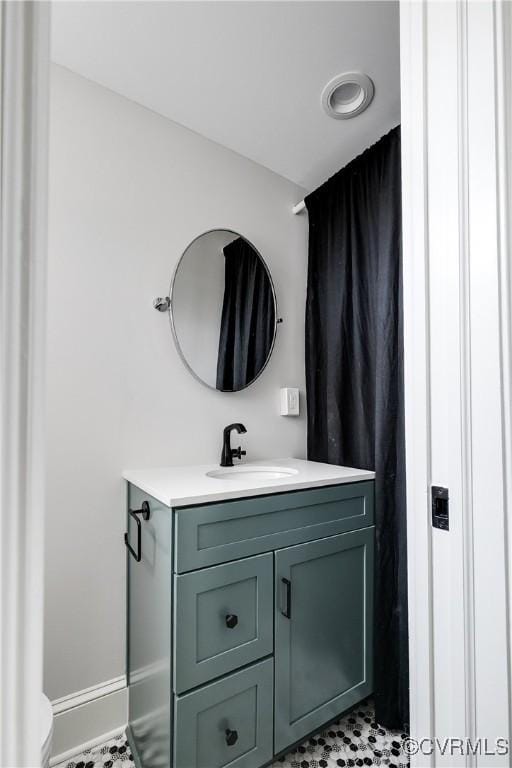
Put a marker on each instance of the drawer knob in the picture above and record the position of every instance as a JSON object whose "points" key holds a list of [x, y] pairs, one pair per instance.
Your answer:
{"points": [[231, 737], [231, 622]]}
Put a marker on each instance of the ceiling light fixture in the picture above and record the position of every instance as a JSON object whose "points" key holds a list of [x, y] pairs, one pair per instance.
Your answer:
{"points": [[347, 95]]}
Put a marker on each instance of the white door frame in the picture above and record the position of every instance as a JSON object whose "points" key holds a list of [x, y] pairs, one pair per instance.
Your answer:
{"points": [[455, 63], [416, 365], [24, 50]]}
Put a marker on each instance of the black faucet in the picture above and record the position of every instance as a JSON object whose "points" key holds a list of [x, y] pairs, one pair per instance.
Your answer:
{"points": [[229, 453]]}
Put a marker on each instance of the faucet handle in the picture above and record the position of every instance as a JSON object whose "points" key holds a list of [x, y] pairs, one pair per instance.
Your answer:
{"points": [[237, 453]]}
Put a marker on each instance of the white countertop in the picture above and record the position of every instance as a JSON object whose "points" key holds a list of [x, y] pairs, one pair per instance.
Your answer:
{"points": [[180, 486]]}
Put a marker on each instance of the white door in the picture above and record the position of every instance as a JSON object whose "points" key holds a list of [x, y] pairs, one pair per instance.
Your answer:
{"points": [[456, 177]]}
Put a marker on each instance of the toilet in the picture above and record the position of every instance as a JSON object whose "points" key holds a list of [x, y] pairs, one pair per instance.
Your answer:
{"points": [[46, 720]]}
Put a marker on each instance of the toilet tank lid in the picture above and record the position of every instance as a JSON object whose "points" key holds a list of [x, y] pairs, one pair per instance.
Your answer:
{"points": [[46, 718]]}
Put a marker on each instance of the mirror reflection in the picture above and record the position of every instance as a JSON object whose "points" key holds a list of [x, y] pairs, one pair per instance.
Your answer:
{"points": [[223, 310]]}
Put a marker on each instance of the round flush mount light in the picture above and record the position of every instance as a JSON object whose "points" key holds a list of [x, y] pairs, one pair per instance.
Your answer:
{"points": [[347, 95]]}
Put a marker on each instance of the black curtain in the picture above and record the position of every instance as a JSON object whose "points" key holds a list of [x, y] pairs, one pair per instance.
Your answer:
{"points": [[248, 322], [354, 377]]}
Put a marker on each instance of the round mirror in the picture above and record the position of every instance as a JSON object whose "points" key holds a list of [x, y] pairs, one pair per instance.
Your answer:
{"points": [[223, 310]]}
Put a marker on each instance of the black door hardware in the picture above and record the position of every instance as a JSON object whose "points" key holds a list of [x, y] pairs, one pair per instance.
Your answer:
{"points": [[288, 598], [231, 620], [440, 508], [145, 512], [229, 453], [231, 737]]}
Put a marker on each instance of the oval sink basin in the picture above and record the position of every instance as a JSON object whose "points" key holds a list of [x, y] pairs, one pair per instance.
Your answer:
{"points": [[252, 473]]}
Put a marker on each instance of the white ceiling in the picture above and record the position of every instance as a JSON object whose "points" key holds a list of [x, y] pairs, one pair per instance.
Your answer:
{"points": [[247, 75]]}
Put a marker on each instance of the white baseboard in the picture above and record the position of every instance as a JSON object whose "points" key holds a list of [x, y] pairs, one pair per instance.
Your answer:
{"points": [[84, 719]]}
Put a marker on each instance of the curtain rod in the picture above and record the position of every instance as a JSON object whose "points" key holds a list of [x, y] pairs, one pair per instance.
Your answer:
{"points": [[299, 207]]}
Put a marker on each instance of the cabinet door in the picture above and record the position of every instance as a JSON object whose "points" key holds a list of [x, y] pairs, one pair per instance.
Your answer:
{"points": [[323, 631], [149, 633]]}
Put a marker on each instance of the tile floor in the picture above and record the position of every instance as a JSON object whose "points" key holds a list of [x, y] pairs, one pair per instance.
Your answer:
{"points": [[355, 740]]}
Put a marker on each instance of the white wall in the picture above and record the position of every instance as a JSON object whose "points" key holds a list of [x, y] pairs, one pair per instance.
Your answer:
{"points": [[128, 191]]}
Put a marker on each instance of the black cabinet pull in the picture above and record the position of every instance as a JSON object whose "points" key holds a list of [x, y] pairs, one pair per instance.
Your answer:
{"points": [[231, 737], [287, 610], [145, 512], [231, 620]]}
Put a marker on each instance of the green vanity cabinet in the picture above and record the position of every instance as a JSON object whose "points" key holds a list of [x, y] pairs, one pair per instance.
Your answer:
{"points": [[250, 623]]}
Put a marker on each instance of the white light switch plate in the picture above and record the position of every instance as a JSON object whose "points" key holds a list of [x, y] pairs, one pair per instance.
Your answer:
{"points": [[290, 401]]}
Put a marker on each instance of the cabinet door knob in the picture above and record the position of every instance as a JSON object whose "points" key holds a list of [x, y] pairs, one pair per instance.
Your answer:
{"points": [[231, 622], [231, 737]]}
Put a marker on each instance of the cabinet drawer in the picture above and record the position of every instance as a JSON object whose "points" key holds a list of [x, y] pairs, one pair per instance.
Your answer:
{"points": [[228, 722], [216, 533], [223, 619]]}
